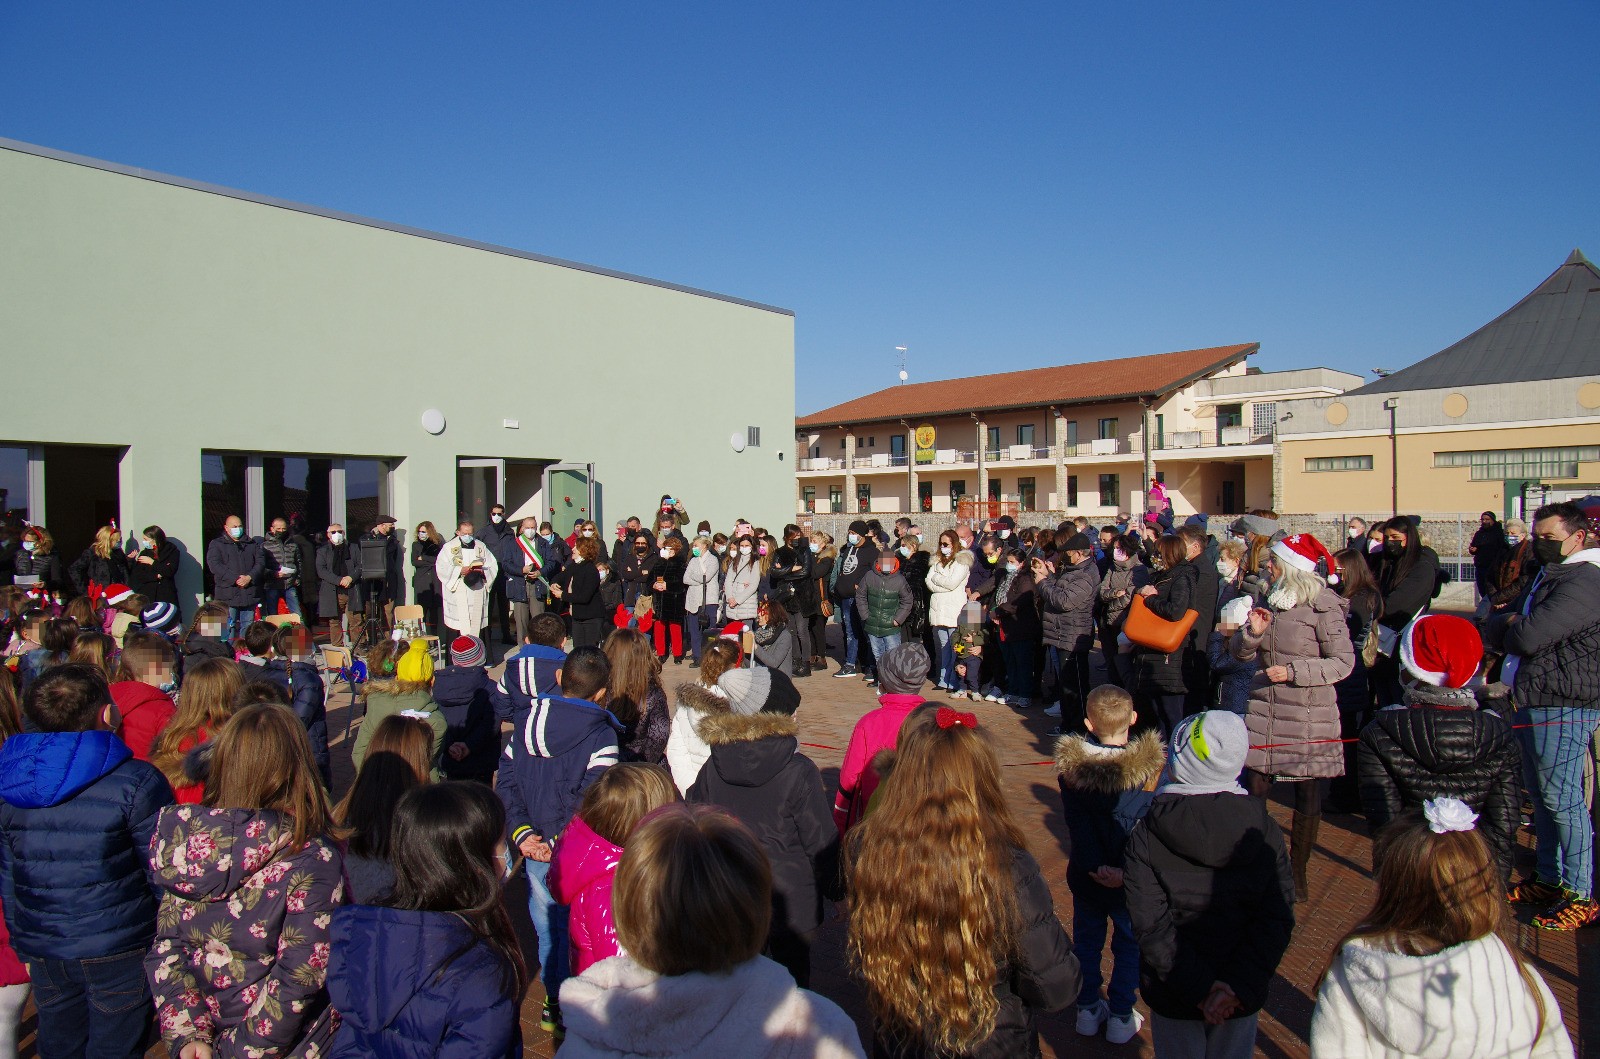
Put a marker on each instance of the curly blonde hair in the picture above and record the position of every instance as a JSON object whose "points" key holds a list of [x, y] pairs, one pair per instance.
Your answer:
{"points": [[934, 910]]}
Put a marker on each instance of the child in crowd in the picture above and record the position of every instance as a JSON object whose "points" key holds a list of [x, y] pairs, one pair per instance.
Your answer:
{"points": [[27, 630], [635, 696], [144, 693], [1210, 895], [248, 882], [776, 647], [609, 594], [586, 859], [1107, 781], [883, 600], [258, 637], [471, 735], [757, 773], [435, 971], [77, 812], [692, 903], [1429, 970], [95, 649], [161, 619], [122, 609], [204, 639], [901, 674], [532, 671], [951, 925], [1233, 676], [291, 668], [55, 637], [396, 681], [1438, 742], [399, 758], [687, 753], [968, 645], [205, 702], [562, 745]]}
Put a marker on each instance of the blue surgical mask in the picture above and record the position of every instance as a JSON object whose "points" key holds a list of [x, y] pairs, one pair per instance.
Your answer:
{"points": [[815, 547], [29, 546], [855, 538], [236, 532], [1012, 568], [466, 538]]}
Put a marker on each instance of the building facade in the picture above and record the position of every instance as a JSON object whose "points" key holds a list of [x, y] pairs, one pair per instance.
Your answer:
{"points": [[179, 352], [1503, 420], [1085, 438]]}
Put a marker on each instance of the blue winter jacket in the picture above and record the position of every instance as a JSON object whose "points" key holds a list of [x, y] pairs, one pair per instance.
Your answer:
{"points": [[76, 814], [530, 673], [1234, 676], [308, 699], [462, 694], [415, 984], [558, 748]]}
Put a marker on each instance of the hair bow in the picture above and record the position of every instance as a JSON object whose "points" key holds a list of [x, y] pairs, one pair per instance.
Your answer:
{"points": [[948, 718], [1448, 814]]}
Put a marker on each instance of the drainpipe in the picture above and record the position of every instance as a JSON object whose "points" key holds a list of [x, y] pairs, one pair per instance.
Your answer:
{"points": [[1144, 431]]}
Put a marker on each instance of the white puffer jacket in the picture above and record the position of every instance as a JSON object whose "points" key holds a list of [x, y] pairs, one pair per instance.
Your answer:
{"points": [[948, 585]]}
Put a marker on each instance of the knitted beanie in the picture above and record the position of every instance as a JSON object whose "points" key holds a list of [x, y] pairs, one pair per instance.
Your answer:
{"points": [[467, 651], [1208, 751], [160, 617], [903, 670], [746, 689]]}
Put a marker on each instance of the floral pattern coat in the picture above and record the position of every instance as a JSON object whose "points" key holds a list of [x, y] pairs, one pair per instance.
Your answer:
{"points": [[241, 950]]}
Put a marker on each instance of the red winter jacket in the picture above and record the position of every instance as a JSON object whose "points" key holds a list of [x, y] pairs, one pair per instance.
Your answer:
{"points": [[11, 970], [145, 711], [877, 730]]}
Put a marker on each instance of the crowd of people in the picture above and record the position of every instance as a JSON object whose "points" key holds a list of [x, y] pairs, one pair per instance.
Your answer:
{"points": [[173, 855]]}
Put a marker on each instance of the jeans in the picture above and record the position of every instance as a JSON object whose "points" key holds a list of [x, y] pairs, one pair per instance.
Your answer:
{"points": [[700, 623], [238, 618], [1194, 1039], [882, 645], [95, 1008], [1553, 756], [550, 920], [855, 635], [286, 592], [1091, 912], [1018, 656], [944, 663]]}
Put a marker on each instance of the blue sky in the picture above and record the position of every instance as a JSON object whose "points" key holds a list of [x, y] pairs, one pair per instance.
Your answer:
{"points": [[993, 185]]}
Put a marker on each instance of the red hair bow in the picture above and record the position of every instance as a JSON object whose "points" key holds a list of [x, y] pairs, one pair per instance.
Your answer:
{"points": [[948, 718]]}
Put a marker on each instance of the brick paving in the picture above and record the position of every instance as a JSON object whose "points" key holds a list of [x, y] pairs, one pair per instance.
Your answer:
{"points": [[1340, 889]]}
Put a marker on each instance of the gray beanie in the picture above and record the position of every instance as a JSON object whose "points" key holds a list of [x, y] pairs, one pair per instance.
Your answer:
{"points": [[746, 689], [1256, 524], [1208, 752], [903, 670]]}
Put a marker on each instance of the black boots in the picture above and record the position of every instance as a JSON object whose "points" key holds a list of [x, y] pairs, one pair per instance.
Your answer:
{"points": [[1302, 840]]}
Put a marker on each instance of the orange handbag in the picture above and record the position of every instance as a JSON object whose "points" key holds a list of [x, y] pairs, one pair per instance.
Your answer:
{"points": [[1158, 634]]}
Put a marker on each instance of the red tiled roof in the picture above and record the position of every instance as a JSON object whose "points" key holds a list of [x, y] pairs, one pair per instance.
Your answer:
{"points": [[1099, 380]]}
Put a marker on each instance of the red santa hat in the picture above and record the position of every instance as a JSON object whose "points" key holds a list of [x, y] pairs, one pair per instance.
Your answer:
{"points": [[1442, 650], [732, 631], [116, 594], [1304, 552]]}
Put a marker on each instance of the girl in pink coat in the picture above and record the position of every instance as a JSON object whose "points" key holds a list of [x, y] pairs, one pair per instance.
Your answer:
{"points": [[589, 851], [901, 673]]}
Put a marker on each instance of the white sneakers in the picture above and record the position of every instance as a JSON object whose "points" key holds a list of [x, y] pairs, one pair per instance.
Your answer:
{"points": [[1053, 711], [1118, 1030]]}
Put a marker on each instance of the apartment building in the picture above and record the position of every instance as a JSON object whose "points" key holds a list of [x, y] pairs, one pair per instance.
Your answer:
{"points": [[1085, 438]]}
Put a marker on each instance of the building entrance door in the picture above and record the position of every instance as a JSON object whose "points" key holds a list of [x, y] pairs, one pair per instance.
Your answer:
{"points": [[480, 484], [569, 495]]}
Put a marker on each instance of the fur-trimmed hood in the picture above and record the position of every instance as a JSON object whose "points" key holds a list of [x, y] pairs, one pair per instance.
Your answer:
{"points": [[396, 686], [726, 727], [1086, 765], [700, 698], [749, 750]]}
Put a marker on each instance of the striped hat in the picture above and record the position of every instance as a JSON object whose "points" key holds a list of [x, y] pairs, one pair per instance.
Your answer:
{"points": [[466, 651], [160, 617]]}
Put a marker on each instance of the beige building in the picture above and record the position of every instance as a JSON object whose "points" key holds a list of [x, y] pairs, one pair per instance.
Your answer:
{"points": [[1503, 420], [1085, 438]]}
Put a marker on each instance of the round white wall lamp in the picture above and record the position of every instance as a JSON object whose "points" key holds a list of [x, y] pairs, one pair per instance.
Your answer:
{"points": [[433, 421], [737, 440]]}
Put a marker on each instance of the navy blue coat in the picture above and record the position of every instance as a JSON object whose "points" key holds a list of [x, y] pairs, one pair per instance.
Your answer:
{"points": [[415, 984], [462, 693], [308, 699], [76, 814], [558, 748]]}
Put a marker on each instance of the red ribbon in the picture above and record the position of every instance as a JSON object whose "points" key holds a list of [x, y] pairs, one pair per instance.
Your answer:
{"points": [[948, 718]]}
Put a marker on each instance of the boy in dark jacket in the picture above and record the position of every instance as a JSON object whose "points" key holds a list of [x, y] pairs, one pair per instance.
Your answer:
{"points": [[757, 773], [471, 737], [1107, 783], [1210, 895], [77, 811], [291, 669], [561, 745]]}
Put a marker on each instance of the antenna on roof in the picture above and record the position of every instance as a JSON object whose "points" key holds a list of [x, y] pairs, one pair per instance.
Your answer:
{"points": [[901, 360]]}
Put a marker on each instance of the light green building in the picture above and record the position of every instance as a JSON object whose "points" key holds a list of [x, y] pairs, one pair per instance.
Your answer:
{"points": [[175, 351]]}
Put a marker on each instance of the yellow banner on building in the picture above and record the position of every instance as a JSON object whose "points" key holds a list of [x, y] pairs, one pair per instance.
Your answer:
{"points": [[925, 436]]}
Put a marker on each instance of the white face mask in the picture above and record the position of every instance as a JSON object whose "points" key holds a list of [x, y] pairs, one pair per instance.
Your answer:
{"points": [[906, 552], [1005, 534], [944, 549], [530, 534], [335, 538], [1227, 569], [720, 549], [1356, 534], [1012, 568], [1119, 555], [603, 573], [666, 553], [588, 533], [815, 547], [744, 549], [497, 519], [466, 539]]}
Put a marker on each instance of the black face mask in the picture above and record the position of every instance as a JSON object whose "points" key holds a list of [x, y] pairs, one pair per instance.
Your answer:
{"points": [[1548, 552], [1395, 548]]}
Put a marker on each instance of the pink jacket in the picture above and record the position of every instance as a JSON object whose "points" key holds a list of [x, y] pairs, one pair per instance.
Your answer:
{"points": [[877, 730], [580, 876]]}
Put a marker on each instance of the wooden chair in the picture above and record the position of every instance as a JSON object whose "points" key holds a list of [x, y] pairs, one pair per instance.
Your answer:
{"points": [[281, 620]]}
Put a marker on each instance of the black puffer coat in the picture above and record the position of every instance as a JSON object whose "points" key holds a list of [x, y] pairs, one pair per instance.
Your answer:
{"points": [[1067, 600], [112, 570], [1440, 744], [1176, 593], [1046, 977], [757, 773], [1211, 899], [1407, 594]]}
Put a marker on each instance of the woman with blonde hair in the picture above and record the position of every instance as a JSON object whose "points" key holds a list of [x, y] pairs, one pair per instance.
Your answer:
{"points": [[205, 702], [951, 925], [103, 563], [635, 696], [1431, 969], [249, 881]]}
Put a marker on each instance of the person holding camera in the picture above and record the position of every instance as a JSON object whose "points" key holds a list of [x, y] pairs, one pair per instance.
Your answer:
{"points": [[467, 570]]}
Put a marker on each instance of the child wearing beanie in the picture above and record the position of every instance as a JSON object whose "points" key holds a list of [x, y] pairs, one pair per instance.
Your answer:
{"points": [[1210, 895], [395, 684], [1439, 743], [901, 674], [472, 736]]}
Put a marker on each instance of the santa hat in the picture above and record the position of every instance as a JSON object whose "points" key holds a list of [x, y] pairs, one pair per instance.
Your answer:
{"points": [[116, 594], [466, 651], [1304, 552], [1441, 649], [732, 631]]}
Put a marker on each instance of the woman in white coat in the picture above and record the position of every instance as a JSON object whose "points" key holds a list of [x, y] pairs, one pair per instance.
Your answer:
{"points": [[947, 587], [466, 569], [704, 578], [741, 582]]}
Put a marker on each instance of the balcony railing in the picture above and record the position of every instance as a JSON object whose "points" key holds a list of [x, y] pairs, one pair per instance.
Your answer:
{"points": [[1132, 444]]}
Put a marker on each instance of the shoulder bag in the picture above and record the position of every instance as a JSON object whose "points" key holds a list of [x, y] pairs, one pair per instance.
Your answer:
{"points": [[1144, 628]]}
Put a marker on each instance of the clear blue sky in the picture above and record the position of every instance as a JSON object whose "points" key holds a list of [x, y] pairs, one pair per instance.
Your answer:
{"points": [[993, 185]]}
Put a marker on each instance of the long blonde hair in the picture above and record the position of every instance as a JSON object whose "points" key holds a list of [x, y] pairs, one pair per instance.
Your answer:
{"points": [[934, 910], [205, 702], [105, 541]]}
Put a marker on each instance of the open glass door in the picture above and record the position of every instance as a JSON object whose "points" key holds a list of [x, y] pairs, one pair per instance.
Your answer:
{"points": [[568, 495]]}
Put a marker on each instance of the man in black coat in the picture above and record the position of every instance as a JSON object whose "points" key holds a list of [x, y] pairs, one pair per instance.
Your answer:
{"points": [[236, 563], [501, 539], [858, 555]]}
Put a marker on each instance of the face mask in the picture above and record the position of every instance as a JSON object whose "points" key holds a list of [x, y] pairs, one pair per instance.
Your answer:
{"points": [[588, 533], [763, 549], [720, 549], [603, 573], [497, 519], [906, 552], [640, 549], [335, 538], [696, 551], [1356, 534], [744, 549], [1012, 568], [1548, 551], [944, 549], [1005, 534], [855, 538], [815, 547], [991, 559], [1119, 555], [279, 534], [920, 538], [531, 535], [1394, 547], [236, 532], [666, 553], [548, 537], [150, 546], [1514, 540], [466, 539], [29, 546], [1227, 569]]}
